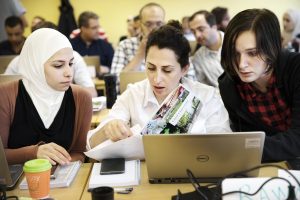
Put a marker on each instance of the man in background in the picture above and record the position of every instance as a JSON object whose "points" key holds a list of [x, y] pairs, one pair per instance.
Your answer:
{"points": [[14, 28], [11, 8], [88, 43], [130, 54], [222, 17], [133, 28], [207, 58], [36, 20]]}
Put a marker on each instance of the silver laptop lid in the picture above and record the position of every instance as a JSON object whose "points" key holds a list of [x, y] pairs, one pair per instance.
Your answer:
{"points": [[5, 177], [206, 155], [9, 174]]}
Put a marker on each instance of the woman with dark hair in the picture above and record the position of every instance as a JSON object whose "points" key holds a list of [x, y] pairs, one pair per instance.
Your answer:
{"points": [[260, 85], [167, 61]]}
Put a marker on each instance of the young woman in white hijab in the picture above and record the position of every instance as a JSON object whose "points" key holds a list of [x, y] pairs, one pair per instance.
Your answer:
{"points": [[43, 115], [291, 26]]}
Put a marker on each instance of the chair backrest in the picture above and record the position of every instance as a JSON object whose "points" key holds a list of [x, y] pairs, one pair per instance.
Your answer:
{"points": [[4, 78], [130, 77], [4, 61], [93, 61]]}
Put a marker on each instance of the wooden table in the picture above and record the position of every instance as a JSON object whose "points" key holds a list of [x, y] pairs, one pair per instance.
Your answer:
{"points": [[98, 116], [146, 191], [73, 192]]}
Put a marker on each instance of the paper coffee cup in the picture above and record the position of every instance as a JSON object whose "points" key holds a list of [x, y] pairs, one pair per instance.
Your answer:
{"points": [[37, 174]]}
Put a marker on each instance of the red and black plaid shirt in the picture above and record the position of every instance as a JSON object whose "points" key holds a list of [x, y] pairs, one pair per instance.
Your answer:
{"points": [[269, 107]]}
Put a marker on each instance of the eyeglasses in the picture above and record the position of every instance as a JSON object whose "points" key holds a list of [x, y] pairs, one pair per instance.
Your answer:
{"points": [[153, 24]]}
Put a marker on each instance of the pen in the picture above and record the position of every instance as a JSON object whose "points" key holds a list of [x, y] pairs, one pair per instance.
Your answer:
{"points": [[123, 190], [118, 190]]}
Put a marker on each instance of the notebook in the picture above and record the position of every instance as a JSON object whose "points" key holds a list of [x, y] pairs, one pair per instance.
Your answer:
{"points": [[130, 177], [208, 156], [64, 176], [9, 174]]}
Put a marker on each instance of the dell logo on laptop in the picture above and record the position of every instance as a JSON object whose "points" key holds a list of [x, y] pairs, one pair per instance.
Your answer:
{"points": [[202, 158]]}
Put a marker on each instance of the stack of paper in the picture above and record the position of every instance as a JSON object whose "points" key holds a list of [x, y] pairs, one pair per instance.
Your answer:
{"points": [[64, 176], [99, 103], [129, 178]]}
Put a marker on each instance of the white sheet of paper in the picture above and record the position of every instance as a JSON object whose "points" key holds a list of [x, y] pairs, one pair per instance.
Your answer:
{"points": [[129, 148], [275, 189], [99, 103]]}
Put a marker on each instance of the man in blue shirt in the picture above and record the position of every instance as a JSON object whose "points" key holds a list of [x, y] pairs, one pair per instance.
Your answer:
{"points": [[87, 43]]}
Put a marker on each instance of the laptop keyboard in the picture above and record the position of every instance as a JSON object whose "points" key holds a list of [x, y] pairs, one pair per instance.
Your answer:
{"points": [[15, 171]]}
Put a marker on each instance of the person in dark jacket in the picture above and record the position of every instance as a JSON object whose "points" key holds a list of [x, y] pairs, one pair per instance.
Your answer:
{"points": [[261, 83]]}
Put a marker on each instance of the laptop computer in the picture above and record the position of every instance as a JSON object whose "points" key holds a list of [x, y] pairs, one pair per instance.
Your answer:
{"points": [[209, 156], [9, 174]]}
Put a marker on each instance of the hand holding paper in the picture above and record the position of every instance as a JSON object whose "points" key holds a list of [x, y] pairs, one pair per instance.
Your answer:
{"points": [[117, 130], [130, 148]]}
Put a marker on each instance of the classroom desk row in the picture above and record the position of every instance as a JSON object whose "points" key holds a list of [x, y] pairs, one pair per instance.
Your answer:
{"points": [[144, 191]]}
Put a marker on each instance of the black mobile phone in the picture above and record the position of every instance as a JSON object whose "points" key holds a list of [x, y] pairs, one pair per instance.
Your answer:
{"points": [[53, 169], [112, 166]]}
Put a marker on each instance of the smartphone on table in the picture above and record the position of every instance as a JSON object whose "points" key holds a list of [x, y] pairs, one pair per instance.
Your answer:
{"points": [[112, 166], [53, 169]]}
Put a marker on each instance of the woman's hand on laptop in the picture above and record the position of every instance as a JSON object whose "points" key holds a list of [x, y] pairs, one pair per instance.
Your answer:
{"points": [[54, 153], [116, 130]]}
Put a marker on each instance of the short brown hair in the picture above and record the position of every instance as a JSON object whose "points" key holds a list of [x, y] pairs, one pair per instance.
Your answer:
{"points": [[84, 17], [209, 17]]}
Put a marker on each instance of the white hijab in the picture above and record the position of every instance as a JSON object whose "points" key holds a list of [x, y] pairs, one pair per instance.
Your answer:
{"points": [[38, 48], [289, 36]]}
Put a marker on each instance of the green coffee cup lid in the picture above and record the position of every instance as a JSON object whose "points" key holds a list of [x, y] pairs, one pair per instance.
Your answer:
{"points": [[37, 165]]}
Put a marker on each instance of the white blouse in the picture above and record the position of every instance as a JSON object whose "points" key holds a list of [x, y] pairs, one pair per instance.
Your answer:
{"points": [[137, 105]]}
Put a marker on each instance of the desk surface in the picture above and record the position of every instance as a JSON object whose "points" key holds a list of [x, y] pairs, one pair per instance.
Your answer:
{"points": [[73, 192], [146, 191], [98, 116]]}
